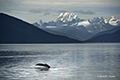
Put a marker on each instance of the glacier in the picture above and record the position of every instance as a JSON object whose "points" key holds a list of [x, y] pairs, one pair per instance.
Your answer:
{"points": [[70, 25]]}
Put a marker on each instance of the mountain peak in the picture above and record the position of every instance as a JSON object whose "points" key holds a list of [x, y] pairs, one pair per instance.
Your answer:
{"points": [[61, 14], [67, 17], [114, 21]]}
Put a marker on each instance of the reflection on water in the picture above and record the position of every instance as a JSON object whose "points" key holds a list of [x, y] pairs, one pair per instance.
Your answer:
{"points": [[67, 61]]}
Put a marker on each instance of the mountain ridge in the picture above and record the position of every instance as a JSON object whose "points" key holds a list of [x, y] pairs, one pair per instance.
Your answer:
{"points": [[80, 29], [14, 30]]}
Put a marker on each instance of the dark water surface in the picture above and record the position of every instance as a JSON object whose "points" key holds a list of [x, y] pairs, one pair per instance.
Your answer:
{"points": [[100, 61]]}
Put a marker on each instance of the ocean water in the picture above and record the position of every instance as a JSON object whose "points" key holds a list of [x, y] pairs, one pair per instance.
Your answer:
{"points": [[87, 61]]}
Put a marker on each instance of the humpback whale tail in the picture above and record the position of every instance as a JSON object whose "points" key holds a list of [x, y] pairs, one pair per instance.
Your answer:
{"points": [[44, 65]]}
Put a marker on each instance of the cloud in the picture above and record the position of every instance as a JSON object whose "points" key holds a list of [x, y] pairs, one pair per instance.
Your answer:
{"points": [[84, 12], [62, 11], [46, 13], [35, 11], [8, 5], [43, 11], [89, 3], [77, 11]]}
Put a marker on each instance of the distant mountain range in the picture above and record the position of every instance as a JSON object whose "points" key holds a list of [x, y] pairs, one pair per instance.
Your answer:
{"points": [[14, 30], [70, 25]]}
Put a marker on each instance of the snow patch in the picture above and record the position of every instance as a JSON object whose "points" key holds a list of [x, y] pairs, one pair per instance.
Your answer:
{"points": [[84, 23]]}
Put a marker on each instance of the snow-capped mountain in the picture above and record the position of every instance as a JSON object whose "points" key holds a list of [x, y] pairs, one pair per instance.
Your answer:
{"points": [[66, 17], [70, 25]]}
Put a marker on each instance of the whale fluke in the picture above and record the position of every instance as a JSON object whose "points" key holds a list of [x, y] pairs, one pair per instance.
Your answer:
{"points": [[41, 64]]}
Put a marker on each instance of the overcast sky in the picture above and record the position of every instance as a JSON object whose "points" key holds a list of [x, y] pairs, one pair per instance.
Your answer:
{"points": [[47, 10]]}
